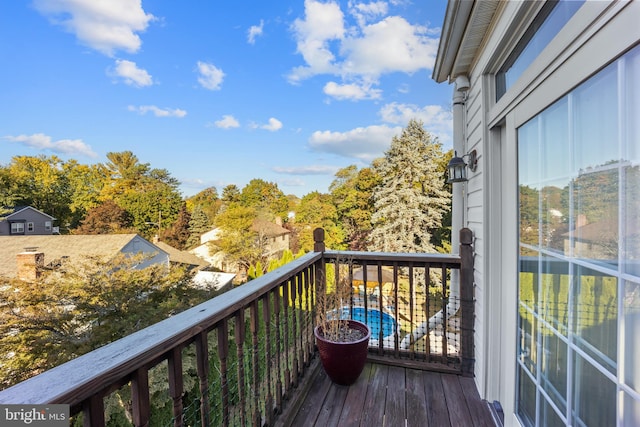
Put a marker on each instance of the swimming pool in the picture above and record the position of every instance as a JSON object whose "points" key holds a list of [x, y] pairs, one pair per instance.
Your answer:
{"points": [[389, 324]]}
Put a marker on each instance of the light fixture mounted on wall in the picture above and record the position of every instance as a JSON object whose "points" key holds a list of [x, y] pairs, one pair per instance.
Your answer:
{"points": [[457, 166]]}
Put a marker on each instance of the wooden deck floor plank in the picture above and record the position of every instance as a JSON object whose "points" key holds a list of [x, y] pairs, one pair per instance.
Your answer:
{"points": [[395, 406], [391, 394], [456, 401], [354, 403], [332, 408], [313, 403], [416, 399], [477, 406], [376, 396], [437, 412]]}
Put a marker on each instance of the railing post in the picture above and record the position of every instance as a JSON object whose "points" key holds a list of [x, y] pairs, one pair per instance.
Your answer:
{"points": [[140, 397], [467, 303], [318, 240], [320, 277]]}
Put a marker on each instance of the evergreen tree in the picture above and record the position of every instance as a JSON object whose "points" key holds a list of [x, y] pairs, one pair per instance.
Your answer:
{"points": [[230, 194], [198, 225], [206, 201], [411, 200]]}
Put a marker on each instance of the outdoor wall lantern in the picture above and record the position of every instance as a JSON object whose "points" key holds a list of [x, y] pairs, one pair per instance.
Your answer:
{"points": [[457, 166]]}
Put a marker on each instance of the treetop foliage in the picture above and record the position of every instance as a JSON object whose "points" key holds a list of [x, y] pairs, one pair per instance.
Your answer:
{"points": [[411, 200]]}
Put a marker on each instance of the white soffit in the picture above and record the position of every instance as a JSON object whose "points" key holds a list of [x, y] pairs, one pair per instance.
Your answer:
{"points": [[464, 29]]}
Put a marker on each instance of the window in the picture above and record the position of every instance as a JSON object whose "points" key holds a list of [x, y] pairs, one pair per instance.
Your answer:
{"points": [[30, 227], [579, 280], [47, 225], [17, 228], [549, 21]]}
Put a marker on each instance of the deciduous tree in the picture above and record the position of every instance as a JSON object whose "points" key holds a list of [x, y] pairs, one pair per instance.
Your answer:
{"points": [[351, 192], [82, 306], [317, 210], [106, 218]]}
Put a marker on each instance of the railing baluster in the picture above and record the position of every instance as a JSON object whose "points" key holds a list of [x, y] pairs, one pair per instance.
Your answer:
{"points": [[266, 312], [427, 314], [380, 310], [256, 418], [93, 411], [276, 309], [445, 316], [223, 352], [285, 333], [202, 366], [176, 384], [302, 360], [412, 312], [140, 397], [239, 335], [366, 295], [295, 331], [308, 327], [396, 310]]}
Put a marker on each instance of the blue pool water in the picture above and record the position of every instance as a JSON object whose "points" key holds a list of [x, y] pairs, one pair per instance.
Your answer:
{"points": [[373, 320]]}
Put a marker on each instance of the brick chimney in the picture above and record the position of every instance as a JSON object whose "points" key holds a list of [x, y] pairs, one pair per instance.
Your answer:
{"points": [[30, 263]]}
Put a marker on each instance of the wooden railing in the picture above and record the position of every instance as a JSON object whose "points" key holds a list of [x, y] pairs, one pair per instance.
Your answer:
{"points": [[236, 359]]}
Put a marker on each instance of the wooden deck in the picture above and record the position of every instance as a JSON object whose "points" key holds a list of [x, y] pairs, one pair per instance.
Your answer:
{"points": [[390, 396]]}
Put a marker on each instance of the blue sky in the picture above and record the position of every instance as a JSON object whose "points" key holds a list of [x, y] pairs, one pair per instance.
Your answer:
{"points": [[220, 93]]}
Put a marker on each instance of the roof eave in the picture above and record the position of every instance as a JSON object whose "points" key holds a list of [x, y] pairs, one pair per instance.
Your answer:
{"points": [[455, 23]]}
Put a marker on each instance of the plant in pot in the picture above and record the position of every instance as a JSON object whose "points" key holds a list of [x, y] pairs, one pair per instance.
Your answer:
{"points": [[342, 343]]}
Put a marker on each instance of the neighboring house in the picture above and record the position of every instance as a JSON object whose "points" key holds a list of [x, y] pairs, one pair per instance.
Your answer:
{"points": [[25, 256], [176, 256], [27, 221], [274, 237], [547, 96], [202, 279]]}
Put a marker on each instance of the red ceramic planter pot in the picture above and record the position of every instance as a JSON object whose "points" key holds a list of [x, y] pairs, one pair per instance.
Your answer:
{"points": [[344, 361]]}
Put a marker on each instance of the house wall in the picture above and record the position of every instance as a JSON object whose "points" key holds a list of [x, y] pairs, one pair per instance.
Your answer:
{"points": [[139, 245], [28, 215], [589, 41]]}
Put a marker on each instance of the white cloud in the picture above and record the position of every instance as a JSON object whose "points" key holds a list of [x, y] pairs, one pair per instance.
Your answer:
{"points": [[323, 23], [406, 49], [307, 170], [364, 12], [227, 122], [131, 74], [372, 46], [273, 125], [106, 26], [364, 143], [255, 31], [211, 77], [351, 91], [158, 112], [437, 120], [43, 142]]}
